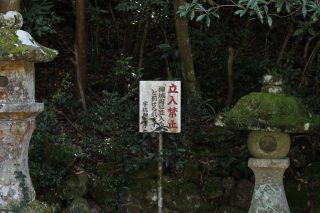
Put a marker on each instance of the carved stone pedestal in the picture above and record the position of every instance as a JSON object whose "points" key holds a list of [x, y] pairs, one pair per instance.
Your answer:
{"points": [[269, 195], [271, 116], [15, 182], [18, 109]]}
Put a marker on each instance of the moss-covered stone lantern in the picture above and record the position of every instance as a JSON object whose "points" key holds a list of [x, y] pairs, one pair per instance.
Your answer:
{"points": [[18, 109], [271, 116]]}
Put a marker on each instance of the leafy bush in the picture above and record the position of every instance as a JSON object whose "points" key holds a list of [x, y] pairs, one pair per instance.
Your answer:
{"points": [[51, 152], [39, 17]]}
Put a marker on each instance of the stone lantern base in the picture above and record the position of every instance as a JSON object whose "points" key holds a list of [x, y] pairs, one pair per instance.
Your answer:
{"points": [[15, 182], [269, 195]]}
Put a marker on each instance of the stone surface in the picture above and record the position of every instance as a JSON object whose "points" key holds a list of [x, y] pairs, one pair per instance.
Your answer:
{"points": [[228, 184], [52, 200], [17, 85], [268, 144], [141, 196], [11, 19], [18, 52], [74, 187], [16, 44], [213, 189], [269, 194], [228, 209], [177, 197], [269, 112], [15, 182], [100, 193], [272, 83], [188, 198], [37, 207], [81, 205]]}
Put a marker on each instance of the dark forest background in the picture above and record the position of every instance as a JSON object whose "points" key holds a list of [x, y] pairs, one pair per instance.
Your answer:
{"points": [[86, 152]]}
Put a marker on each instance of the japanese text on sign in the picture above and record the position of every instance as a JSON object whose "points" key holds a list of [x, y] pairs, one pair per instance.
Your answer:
{"points": [[160, 106]]}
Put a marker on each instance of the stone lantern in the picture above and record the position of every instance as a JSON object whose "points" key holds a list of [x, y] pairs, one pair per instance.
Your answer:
{"points": [[271, 116], [18, 109]]}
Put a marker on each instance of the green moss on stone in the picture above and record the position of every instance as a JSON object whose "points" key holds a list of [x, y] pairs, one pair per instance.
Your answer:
{"points": [[141, 194], [188, 198], [9, 45], [213, 189], [269, 112], [12, 48], [52, 199], [37, 207], [78, 205], [74, 187]]}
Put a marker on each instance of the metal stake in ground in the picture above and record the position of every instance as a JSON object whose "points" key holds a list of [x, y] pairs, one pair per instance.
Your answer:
{"points": [[160, 111], [160, 172]]}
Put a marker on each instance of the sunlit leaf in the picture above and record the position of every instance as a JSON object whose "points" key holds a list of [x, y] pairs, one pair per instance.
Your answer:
{"points": [[240, 12], [288, 7], [259, 14], [266, 9], [192, 14], [242, 1], [201, 8], [304, 10], [201, 17], [269, 21], [279, 5]]}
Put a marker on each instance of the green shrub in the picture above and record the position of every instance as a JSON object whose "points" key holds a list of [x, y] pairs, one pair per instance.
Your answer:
{"points": [[51, 152], [39, 17]]}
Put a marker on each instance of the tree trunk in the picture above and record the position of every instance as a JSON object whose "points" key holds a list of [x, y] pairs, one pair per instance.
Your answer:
{"points": [[231, 60], [308, 63], [10, 5], [285, 43], [183, 39], [81, 50], [97, 36], [143, 40]]}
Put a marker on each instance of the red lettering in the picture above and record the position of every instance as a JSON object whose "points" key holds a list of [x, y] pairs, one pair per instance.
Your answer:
{"points": [[172, 112], [172, 125], [172, 101], [173, 88]]}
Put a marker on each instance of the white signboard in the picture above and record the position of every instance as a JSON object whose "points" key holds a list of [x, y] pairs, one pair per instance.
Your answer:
{"points": [[160, 106]]}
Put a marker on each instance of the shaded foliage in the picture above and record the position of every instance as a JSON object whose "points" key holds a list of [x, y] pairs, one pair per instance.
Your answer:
{"points": [[104, 142]]}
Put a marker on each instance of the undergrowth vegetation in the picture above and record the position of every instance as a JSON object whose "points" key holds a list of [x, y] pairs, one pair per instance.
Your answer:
{"points": [[204, 163]]}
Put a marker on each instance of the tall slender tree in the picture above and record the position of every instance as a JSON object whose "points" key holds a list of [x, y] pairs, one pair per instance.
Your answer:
{"points": [[183, 39], [81, 51]]}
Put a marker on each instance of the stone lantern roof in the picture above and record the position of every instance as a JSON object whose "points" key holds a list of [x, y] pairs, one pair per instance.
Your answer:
{"points": [[269, 110], [16, 44]]}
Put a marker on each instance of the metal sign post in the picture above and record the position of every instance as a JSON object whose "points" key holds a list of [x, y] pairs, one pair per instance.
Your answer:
{"points": [[160, 111]]}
